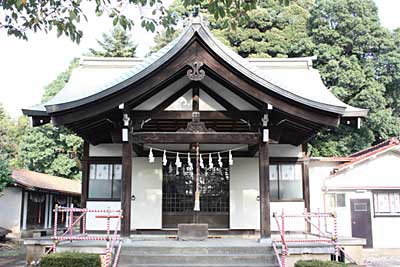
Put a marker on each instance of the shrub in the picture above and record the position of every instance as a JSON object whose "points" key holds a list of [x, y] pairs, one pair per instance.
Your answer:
{"points": [[318, 263], [71, 259]]}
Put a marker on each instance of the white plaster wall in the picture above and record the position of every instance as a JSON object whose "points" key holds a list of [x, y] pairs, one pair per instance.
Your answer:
{"points": [[244, 207], [379, 172], [318, 172], [244, 189], [94, 224], [285, 150], [10, 207], [385, 232], [105, 150], [375, 173], [147, 188]]}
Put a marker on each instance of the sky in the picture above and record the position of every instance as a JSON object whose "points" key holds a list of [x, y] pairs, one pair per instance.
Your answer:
{"points": [[26, 67]]}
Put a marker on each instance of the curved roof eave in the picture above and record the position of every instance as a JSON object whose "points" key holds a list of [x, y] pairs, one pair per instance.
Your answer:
{"points": [[165, 54]]}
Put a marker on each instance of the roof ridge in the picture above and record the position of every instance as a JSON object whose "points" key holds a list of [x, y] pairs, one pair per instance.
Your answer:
{"points": [[367, 150]]}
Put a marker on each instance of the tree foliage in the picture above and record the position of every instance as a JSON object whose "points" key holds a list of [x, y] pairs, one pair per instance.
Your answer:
{"points": [[118, 43], [359, 60], [49, 149], [10, 135], [18, 17]]}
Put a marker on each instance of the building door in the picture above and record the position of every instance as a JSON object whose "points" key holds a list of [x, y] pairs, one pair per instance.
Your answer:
{"points": [[178, 196], [361, 220]]}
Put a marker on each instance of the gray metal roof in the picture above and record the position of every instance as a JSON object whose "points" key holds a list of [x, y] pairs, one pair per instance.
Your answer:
{"points": [[292, 78]]}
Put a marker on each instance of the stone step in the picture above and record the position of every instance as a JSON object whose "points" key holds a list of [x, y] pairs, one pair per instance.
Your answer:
{"points": [[130, 250], [199, 265], [205, 259]]}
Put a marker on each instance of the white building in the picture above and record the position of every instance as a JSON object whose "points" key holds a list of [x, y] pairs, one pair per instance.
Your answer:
{"points": [[364, 190], [26, 206]]}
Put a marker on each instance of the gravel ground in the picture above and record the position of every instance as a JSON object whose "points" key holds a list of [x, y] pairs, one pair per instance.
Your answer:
{"points": [[382, 261], [12, 254]]}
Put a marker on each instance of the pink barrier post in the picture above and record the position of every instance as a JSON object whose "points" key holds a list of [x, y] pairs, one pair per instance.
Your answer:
{"points": [[71, 219], [55, 228], [335, 236], [108, 249], [84, 223], [283, 239]]}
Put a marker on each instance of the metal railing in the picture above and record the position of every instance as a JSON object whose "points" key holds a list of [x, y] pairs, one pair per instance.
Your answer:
{"points": [[320, 235], [69, 235]]}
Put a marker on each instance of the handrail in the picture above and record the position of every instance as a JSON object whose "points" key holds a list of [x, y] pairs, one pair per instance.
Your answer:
{"points": [[323, 236], [276, 254], [110, 239]]}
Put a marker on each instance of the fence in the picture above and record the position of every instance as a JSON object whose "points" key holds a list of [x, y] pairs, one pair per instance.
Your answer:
{"points": [[318, 235], [69, 235]]}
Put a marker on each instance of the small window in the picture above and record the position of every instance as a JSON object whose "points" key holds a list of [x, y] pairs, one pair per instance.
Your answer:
{"points": [[387, 203], [286, 181], [105, 181], [336, 200], [360, 207]]}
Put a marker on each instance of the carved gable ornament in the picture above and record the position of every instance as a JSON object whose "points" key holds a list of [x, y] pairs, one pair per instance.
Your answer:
{"points": [[195, 73], [196, 126]]}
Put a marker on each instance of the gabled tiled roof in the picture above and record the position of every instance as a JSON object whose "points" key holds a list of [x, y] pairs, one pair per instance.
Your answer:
{"points": [[40, 181], [367, 153]]}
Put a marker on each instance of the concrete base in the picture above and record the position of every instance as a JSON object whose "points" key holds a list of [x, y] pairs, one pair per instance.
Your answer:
{"points": [[192, 232], [267, 241]]}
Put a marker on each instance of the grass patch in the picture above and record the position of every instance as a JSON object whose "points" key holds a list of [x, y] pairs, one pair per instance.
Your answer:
{"points": [[71, 259]]}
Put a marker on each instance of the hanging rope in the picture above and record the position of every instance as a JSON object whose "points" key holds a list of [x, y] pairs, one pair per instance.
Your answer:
{"points": [[209, 153]]}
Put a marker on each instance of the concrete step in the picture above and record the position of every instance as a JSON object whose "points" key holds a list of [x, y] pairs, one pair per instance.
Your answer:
{"points": [[202, 259], [147, 250], [199, 265]]}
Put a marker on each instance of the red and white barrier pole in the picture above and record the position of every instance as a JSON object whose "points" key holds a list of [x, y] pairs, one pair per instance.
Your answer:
{"points": [[55, 228], [335, 236]]}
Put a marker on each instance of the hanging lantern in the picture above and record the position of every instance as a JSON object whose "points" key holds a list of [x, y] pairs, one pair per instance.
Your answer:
{"points": [[164, 159], [210, 163], [151, 156], [190, 164], [201, 162], [230, 158]]}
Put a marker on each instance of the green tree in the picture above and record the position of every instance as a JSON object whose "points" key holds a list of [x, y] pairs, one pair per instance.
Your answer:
{"points": [[116, 44], [55, 86], [354, 51], [5, 173], [18, 17], [271, 30], [49, 149]]}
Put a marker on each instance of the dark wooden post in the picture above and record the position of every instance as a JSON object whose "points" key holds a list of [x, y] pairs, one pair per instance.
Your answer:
{"points": [[126, 189], [265, 221], [85, 178]]}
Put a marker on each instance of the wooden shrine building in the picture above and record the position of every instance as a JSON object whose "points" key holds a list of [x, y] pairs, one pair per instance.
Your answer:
{"points": [[195, 133]]}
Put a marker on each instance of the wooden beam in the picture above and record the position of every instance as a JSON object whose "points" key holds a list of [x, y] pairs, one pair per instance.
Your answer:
{"points": [[85, 177], [219, 99], [126, 189], [204, 115], [265, 221], [196, 137]]}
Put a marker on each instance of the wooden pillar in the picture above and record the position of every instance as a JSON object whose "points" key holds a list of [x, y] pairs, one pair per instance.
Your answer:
{"points": [[85, 174], [306, 185], [85, 179], [265, 221], [126, 189]]}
